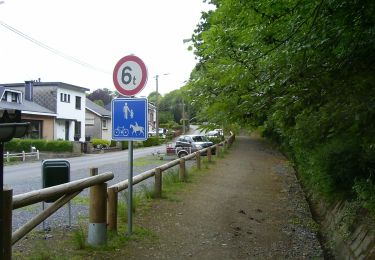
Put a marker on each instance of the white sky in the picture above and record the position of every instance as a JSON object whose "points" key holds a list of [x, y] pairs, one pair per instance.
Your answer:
{"points": [[98, 33]]}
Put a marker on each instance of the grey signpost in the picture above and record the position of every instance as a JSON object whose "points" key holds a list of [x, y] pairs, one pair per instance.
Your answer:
{"points": [[130, 115]]}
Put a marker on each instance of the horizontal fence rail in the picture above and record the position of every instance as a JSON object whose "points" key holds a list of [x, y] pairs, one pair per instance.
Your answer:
{"points": [[66, 192], [99, 193], [33, 197], [22, 155]]}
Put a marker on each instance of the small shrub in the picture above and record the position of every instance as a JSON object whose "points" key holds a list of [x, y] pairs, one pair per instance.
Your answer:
{"points": [[215, 140], [151, 141], [365, 190], [124, 145], [100, 142], [19, 145]]}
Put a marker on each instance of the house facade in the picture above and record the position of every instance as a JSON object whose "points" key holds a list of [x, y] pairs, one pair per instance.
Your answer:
{"points": [[42, 120], [98, 121], [65, 101]]}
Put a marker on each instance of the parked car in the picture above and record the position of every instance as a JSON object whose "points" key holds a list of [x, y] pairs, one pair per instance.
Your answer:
{"points": [[215, 133], [162, 132], [186, 144]]}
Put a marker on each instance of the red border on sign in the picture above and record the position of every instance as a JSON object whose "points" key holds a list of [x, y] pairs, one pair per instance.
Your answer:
{"points": [[141, 85]]}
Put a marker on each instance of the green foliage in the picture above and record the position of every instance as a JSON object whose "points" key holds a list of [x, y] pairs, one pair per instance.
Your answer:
{"points": [[101, 96], [215, 140], [152, 141], [124, 145], [100, 142], [304, 72], [19, 145], [365, 190]]}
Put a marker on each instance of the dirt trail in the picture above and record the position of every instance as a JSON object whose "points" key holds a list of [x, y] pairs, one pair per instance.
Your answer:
{"points": [[248, 206]]}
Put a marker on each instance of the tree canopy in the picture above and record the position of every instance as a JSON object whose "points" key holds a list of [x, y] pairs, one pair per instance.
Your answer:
{"points": [[302, 69]]}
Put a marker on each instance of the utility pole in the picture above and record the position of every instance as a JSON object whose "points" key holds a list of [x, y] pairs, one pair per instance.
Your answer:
{"points": [[157, 107], [157, 103]]}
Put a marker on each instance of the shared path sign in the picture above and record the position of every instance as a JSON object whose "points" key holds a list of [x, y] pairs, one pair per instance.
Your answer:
{"points": [[130, 119]]}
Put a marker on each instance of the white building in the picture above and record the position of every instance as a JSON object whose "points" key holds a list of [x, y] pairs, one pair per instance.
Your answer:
{"points": [[67, 102]]}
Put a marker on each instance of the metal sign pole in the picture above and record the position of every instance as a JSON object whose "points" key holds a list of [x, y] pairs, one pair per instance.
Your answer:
{"points": [[130, 189]]}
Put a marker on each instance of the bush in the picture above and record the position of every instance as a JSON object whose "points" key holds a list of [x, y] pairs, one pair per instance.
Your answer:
{"points": [[215, 140], [124, 145], [365, 191], [152, 141], [19, 145], [100, 142]]}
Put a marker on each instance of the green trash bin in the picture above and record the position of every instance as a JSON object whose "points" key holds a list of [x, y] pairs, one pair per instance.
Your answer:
{"points": [[55, 172]]}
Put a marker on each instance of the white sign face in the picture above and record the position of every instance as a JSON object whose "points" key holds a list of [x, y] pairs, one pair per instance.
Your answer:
{"points": [[130, 75]]}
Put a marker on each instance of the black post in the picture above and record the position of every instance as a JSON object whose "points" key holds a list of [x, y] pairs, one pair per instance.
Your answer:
{"points": [[1, 199]]}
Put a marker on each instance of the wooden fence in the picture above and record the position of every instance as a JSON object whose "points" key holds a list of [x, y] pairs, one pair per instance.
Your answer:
{"points": [[22, 155], [66, 192], [99, 195], [112, 207]]}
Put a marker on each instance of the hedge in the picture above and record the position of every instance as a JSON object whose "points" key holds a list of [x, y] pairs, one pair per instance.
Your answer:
{"points": [[18, 145]]}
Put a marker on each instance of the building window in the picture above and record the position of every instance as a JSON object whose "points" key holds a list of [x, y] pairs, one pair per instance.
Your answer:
{"points": [[14, 97], [104, 124], [64, 97], [10, 96], [35, 129], [89, 121], [78, 102]]}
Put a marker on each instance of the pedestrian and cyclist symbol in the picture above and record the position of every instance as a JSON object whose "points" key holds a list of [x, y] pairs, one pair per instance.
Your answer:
{"points": [[129, 119]]}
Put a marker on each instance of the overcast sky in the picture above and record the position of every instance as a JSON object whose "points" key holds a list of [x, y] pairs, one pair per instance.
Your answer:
{"points": [[98, 33]]}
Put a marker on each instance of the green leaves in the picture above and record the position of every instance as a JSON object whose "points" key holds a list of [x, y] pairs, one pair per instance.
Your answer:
{"points": [[304, 69]]}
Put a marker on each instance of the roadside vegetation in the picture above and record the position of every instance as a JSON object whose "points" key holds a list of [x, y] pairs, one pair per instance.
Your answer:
{"points": [[19, 145], [303, 73]]}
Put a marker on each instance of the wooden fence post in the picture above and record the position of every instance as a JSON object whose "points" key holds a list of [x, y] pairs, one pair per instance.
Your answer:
{"points": [[158, 182], [182, 170], [112, 208], [198, 159], [209, 154], [7, 223], [218, 150], [97, 233]]}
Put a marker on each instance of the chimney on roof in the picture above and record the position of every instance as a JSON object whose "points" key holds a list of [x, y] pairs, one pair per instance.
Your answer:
{"points": [[29, 90]]}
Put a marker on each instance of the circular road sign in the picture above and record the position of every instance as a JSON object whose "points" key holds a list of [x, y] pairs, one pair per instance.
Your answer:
{"points": [[130, 75]]}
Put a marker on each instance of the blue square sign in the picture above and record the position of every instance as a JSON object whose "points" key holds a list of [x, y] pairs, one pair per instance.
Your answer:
{"points": [[129, 119]]}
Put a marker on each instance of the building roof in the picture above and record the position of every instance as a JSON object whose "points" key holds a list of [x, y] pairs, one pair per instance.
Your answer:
{"points": [[27, 107], [48, 84], [100, 111]]}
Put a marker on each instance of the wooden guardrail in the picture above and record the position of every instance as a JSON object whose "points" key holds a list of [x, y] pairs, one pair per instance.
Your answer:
{"points": [[22, 155], [98, 196], [66, 191], [112, 191]]}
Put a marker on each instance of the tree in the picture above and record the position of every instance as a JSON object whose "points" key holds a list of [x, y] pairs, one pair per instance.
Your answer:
{"points": [[104, 95], [301, 69], [152, 97]]}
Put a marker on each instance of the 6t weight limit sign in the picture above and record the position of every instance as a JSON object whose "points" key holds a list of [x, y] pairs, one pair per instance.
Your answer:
{"points": [[130, 75]]}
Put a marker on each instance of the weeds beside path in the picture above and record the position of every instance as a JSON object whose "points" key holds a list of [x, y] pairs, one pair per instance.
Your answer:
{"points": [[248, 205]]}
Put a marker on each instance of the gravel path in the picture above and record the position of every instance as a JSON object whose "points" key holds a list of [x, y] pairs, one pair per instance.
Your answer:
{"points": [[248, 206]]}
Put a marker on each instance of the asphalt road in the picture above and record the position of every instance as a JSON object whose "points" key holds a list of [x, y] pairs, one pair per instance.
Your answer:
{"points": [[27, 176]]}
